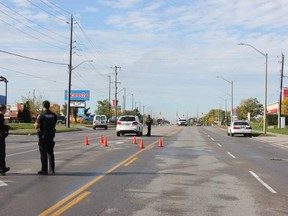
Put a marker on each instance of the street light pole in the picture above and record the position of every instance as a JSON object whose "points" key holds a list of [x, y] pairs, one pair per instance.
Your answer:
{"points": [[265, 84], [231, 82], [109, 92], [69, 90]]}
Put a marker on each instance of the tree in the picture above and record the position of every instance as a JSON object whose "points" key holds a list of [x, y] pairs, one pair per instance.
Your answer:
{"points": [[26, 114], [64, 108], [252, 106], [103, 108], [284, 106]]}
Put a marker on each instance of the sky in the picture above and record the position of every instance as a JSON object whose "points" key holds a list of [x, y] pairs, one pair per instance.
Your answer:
{"points": [[169, 52]]}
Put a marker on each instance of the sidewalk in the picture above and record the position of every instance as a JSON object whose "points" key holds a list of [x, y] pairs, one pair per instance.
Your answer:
{"points": [[274, 138]]}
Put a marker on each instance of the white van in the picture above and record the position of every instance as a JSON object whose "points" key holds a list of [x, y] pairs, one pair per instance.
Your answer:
{"points": [[100, 121]]}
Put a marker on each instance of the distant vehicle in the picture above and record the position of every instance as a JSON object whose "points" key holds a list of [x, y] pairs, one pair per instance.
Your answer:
{"points": [[89, 118], [182, 122], [61, 120], [129, 125], [198, 124], [100, 121], [239, 127]]}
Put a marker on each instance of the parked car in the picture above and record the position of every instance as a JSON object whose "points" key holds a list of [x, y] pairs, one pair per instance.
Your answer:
{"points": [[100, 121], [61, 119], [129, 125], [182, 122], [239, 127], [89, 118]]}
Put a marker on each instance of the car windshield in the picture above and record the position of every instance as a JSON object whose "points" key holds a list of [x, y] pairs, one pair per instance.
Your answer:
{"points": [[241, 123], [127, 118]]}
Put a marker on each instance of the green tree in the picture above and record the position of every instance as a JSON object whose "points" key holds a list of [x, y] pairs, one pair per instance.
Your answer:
{"points": [[252, 106], [26, 114], [103, 108], [284, 106]]}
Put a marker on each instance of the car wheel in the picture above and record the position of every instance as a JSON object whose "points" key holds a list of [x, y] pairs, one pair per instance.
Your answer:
{"points": [[106, 128], [94, 127], [137, 133], [141, 133], [118, 133], [232, 134]]}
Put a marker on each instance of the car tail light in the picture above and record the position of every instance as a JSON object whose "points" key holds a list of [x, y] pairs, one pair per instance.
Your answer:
{"points": [[135, 123], [248, 127], [236, 127], [119, 123]]}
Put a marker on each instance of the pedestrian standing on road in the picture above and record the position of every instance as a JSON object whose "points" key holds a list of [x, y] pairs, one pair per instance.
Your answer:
{"points": [[45, 123], [4, 131], [149, 122]]}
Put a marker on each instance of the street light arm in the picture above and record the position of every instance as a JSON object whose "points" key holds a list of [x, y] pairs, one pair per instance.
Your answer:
{"points": [[224, 79], [244, 44], [81, 64]]}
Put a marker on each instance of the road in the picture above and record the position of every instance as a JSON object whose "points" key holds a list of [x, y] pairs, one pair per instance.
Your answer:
{"points": [[198, 171]]}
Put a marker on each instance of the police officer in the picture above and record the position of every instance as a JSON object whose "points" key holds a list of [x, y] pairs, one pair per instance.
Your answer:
{"points": [[149, 122], [45, 123], [4, 129]]}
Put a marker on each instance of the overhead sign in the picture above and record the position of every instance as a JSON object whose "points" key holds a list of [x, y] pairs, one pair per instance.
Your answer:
{"points": [[78, 95]]}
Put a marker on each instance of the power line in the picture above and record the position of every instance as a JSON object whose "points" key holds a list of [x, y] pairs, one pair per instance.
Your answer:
{"points": [[31, 21], [26, 57], [46, 11], [56, 10]]}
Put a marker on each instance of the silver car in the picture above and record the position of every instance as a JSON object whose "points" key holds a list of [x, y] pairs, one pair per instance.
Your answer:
{"points": [[239, 127], [129, 125]]}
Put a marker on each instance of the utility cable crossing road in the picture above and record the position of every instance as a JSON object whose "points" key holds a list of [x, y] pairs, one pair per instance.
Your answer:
{"points": [[176, 171]]}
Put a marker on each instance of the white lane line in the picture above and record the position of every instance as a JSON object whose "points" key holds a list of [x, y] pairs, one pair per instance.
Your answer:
{"points": [[212, 139], [231, 155], [3, 184], [262, 182], [219, 144]]}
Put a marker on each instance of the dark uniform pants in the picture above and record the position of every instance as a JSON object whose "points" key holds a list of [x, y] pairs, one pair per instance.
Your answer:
{"points": [[2, 154], [46, 148], [149, 130]]}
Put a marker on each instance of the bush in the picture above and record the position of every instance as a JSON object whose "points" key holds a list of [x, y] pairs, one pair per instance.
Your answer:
{"points": [[273, 119]]}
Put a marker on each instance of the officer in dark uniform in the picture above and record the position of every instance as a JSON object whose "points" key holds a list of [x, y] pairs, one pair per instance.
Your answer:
{"points": [[4, 131], [149, 122], [45, 123]]}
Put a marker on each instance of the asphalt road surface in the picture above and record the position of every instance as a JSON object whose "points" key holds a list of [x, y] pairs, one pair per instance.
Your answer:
{"points": [[198, 171]]}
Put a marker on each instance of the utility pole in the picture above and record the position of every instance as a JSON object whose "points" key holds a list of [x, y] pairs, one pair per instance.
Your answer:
{"points": [[280, 97], [116, 102], [70, 73]]}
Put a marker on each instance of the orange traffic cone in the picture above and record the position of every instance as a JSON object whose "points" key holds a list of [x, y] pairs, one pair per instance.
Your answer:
{"points": [[86, 141], [141, 146], [105, 142], [160, 144], [101, 139], [134, 140]]}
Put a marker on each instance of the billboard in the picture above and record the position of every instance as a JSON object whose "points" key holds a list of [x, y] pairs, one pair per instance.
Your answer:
{"points": [[78, 95]]}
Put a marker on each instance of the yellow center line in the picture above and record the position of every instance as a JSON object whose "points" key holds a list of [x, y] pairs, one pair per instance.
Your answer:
{"points": [[80, 190], [70, 204], [131, 161]]}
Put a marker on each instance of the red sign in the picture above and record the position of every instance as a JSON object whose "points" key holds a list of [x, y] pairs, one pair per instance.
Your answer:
{"points": [[285, 93]]}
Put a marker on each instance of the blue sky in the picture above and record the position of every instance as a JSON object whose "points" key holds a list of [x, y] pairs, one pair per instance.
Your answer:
{"points": [[169, 51]]}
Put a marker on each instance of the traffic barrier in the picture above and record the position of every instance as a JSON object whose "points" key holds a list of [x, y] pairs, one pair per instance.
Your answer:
{"points": [[160, 144], [101, 140], [86, 142], [134, 140], [105, 142], [141, 146]]}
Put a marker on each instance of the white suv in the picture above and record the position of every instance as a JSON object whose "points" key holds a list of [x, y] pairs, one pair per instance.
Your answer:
{"points": [[100, 121], [182, 122], [129, 124], [239, 127]]}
